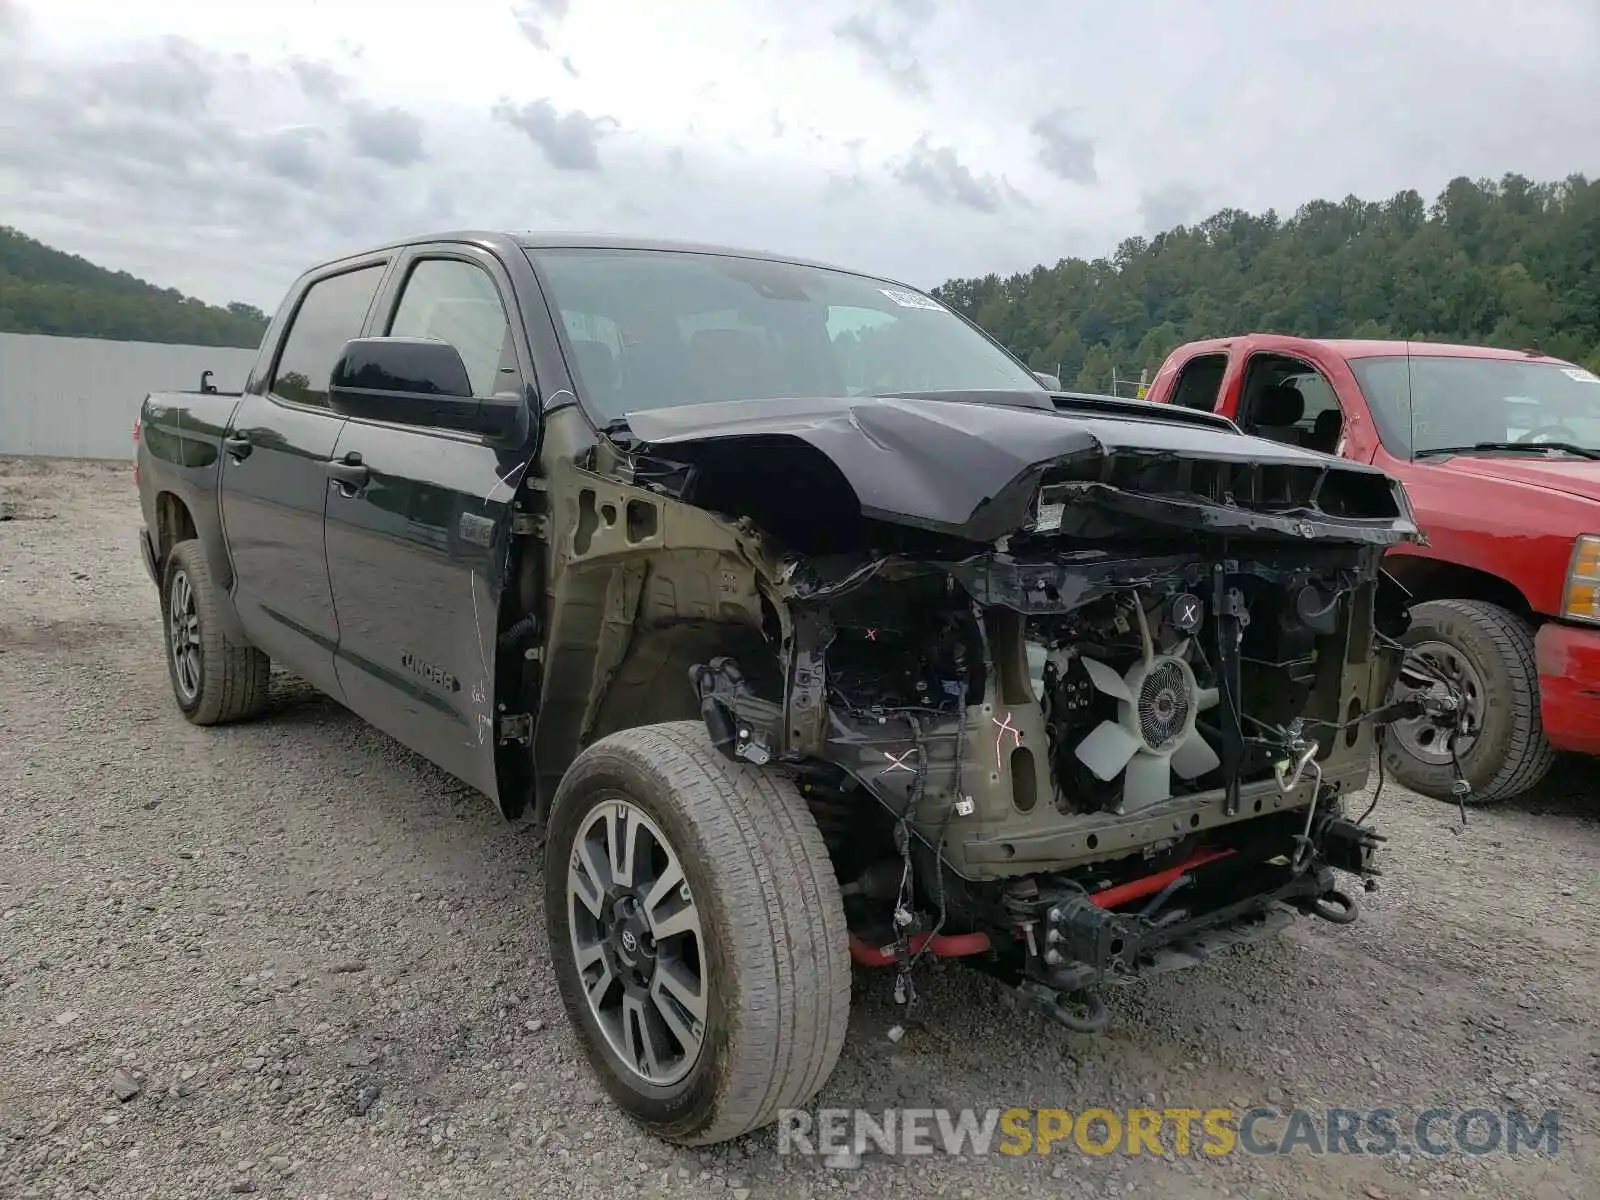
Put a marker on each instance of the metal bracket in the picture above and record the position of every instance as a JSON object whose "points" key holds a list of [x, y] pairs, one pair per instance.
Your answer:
{"points": [[526, 524], [516, 727]]}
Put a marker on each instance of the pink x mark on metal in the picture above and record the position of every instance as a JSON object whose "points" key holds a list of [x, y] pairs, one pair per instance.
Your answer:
{"points": [[1005, 727], [897, 762]]}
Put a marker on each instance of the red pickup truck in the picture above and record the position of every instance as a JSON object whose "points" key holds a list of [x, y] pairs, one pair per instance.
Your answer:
{"points": [[1500, 453]]}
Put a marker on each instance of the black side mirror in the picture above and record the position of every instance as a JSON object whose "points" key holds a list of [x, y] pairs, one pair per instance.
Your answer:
{"points": [[418, 381], [1050, 382]]}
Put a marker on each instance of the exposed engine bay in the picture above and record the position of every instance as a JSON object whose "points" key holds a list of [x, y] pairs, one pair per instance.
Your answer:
{"points": [[1103, 726], [1155, 732]]}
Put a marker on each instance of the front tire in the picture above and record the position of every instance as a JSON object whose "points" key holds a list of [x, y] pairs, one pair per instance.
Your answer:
{"points": [[1487, 652], [697, 933], [213, 680]]}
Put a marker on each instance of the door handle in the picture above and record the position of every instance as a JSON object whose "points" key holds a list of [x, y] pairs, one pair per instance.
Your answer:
{"points": [[349, 472], [237, 445]]}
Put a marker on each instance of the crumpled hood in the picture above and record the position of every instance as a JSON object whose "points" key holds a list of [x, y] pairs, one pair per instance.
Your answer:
{"points": [[969, 464], [1573, 476]]}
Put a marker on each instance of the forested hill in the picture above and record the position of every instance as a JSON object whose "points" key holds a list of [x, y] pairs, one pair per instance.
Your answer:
{"points": [[47, 291], [1514, 264]]}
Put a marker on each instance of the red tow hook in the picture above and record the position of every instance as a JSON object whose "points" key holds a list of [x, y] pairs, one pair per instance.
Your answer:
{"points": [[945, 945], [1149, 885]]}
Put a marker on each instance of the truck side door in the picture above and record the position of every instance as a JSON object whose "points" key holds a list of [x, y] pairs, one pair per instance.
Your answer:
{"points": [[274, 477], [416, 553]]}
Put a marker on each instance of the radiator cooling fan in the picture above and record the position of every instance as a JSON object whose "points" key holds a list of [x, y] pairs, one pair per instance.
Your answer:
{"points": [[1153, 736]]}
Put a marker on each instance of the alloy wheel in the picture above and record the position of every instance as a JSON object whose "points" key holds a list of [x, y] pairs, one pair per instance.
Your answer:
{"points": [[183, 636], [638, 941]]}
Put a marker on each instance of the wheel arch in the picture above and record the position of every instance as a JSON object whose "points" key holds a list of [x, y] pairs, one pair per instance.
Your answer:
{"points": [[642, 587], [174, 524], [1440, 579]]}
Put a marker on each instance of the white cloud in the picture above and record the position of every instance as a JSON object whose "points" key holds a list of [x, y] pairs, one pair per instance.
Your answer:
{"points": [[219, 148]]}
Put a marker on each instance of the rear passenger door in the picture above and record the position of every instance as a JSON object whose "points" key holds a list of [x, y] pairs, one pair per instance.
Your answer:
{"points": [[416, 553], [275, 477]]}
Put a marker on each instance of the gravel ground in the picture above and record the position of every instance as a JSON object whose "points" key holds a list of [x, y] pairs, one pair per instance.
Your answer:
{"points": [[321, 963]]}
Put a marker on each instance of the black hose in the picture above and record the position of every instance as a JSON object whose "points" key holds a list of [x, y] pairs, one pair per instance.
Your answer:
{"points": [[1164, 895], [515, 637]]}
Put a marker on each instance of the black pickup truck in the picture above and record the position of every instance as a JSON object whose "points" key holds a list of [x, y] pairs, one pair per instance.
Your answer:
{"points": [[809, 625]]}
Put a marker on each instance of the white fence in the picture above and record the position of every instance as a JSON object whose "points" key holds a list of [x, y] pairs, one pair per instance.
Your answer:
{"points": [[78, 397]]}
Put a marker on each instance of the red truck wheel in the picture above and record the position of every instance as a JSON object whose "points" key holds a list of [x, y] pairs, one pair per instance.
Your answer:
{"points": [[1487, 652]]}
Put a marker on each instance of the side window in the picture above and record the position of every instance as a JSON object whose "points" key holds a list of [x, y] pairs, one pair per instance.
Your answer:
{"points": [[447, 300], [1288, 400], [331, 313], [1200, 381], [1319, 397]]}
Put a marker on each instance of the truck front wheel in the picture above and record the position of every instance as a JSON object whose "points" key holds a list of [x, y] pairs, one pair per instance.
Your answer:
{"points": [[697, 933], [213, 680], [1487, 652]]}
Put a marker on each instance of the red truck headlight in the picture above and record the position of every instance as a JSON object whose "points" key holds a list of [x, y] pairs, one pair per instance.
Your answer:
{"points": [[1582, 601]]}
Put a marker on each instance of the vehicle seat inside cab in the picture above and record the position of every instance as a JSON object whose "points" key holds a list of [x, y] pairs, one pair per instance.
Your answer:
{"points": [[729, 364], [1277, 408], [1325, 431]]}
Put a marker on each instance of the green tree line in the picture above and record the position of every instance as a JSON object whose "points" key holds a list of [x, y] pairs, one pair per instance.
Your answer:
{"points": [[44, 290], [1511, 263]]}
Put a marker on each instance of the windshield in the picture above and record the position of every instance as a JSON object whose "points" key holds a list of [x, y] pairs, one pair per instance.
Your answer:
{"points": [[651, 329], [1433, 402]]}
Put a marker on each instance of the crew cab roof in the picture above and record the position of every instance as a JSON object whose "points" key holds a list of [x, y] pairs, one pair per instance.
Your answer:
{"points": [[505, 240], [1363, 347]]}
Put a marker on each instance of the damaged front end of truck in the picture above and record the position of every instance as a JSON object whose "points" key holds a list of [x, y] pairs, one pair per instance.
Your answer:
{"points": [[1075, 690]]}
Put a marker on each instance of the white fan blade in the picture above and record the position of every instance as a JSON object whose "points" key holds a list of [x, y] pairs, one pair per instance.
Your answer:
{"points": [[1107, 750], [1205, 698], [1107, 680], [1195, 757], [1148, 781]]}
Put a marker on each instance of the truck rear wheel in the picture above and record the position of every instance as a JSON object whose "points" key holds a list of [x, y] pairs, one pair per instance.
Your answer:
{"points": [[697, 933], [1487, 652], [213, 680]]}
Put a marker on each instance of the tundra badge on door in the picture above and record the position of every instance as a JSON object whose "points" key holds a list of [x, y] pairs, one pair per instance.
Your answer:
{"points": [[437, 676]]}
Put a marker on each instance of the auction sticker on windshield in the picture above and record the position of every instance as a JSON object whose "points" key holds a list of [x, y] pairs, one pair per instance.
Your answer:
{"points": [[907, 299], [1579, 374]]}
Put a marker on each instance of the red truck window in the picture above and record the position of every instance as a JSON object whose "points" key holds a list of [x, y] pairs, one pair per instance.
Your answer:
{"points": [[1200, 382], [1288, 400]]}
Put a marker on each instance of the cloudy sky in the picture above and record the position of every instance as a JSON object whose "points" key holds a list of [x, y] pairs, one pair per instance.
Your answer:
{"points": [[218, 146]]}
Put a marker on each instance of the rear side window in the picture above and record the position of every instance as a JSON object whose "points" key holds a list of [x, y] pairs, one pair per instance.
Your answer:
{"points": [[330, 314], [1200, 381]]}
